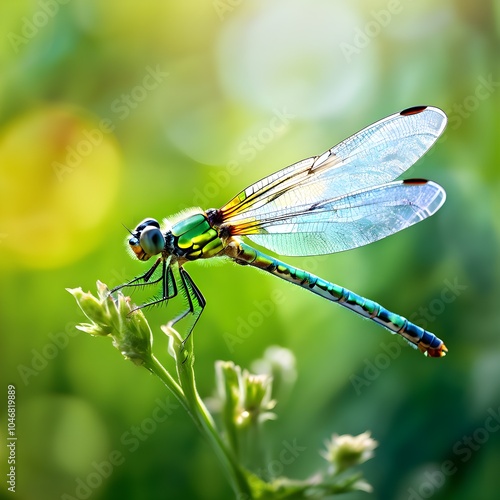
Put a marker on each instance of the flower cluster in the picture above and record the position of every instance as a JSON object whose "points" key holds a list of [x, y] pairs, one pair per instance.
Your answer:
{"points": [[117, 318], [246, 402]]}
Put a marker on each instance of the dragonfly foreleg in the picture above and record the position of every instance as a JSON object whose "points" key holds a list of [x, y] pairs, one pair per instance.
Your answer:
{"points": [[143, 279], [195, 300], [169, 287]]}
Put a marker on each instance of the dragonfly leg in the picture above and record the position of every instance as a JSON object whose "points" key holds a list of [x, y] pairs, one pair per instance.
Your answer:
{"points": [[169, 288], [196, 301], [143, 279], [173, 278]]}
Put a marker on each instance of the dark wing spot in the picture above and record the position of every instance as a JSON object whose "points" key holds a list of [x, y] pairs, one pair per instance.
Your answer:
{"points": [[415, 110], [415, 181]]}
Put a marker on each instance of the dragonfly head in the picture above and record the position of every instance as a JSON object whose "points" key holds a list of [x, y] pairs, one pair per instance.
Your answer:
{"points": [[147, 239]]}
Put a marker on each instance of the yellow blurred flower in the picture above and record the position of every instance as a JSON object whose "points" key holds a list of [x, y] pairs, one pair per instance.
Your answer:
{"points": [[59, 171]]}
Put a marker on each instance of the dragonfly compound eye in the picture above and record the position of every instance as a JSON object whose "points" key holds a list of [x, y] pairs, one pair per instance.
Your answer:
{"points": [[152, 240], [147, 222]]}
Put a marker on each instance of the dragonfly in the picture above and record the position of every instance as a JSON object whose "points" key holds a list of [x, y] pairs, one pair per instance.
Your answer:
{"points": [[342, 199]]}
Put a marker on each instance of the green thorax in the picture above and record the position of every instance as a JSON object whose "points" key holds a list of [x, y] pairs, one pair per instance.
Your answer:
{"points": [[194, 238]]}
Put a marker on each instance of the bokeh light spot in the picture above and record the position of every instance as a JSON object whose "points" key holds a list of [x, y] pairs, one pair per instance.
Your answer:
{"points": [[58, 176]]}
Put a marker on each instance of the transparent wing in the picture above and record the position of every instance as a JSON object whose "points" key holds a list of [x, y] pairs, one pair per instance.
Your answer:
{"points": [[348, 221], [343, 198], [375, 155]]}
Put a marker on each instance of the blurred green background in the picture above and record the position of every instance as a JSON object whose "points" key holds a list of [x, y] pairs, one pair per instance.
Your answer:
{"points": [[114, 111]]}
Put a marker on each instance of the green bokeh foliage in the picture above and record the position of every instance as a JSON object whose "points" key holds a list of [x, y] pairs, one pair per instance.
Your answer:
{"points": [[242, 90]]}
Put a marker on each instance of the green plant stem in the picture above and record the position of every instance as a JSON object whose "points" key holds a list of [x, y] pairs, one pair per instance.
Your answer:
{"points": [[188, 396], [131, 335], [155, 367], [185, 370]]}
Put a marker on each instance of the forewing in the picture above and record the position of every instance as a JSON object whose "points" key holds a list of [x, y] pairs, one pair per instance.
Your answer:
{"points": [[349, 221], [373, 156]]}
